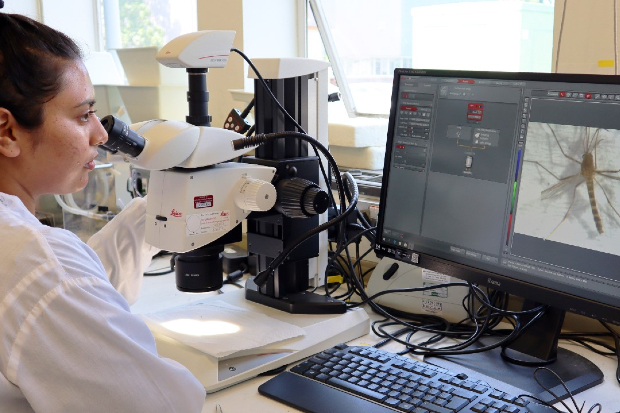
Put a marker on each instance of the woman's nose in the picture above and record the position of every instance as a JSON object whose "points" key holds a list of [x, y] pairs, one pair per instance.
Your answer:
{"points": [[100, 136]]}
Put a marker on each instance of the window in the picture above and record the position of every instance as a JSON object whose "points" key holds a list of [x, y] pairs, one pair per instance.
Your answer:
{"points": [[365, 40], [145, 23]]}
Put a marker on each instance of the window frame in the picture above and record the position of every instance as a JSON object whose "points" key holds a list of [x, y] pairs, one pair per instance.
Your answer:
{"points": [[335, 61]]}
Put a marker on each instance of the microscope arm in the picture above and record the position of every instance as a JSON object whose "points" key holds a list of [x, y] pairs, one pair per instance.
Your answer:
{"points": [[157, 145]]}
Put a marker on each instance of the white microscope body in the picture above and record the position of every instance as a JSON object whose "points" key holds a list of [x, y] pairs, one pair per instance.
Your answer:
{"points": [[193, 197]]}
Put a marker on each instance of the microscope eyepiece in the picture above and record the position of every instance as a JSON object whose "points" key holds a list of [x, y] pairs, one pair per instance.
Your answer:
{"points": [[121, 138]]}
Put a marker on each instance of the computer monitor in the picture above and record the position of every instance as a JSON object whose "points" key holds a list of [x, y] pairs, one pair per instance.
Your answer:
{"points": [[511, 181]]}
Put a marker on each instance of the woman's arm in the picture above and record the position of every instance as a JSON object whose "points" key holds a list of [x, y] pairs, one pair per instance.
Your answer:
{"points": [[122, 250]]}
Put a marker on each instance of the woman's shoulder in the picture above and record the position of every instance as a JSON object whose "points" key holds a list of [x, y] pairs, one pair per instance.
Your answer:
{"points": [[34, 245]]}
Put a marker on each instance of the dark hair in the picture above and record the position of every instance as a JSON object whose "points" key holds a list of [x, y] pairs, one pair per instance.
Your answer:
{"points": [[32, 59]]}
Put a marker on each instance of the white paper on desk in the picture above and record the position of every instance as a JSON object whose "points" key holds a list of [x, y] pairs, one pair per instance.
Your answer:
{"points": [[220, 329]]}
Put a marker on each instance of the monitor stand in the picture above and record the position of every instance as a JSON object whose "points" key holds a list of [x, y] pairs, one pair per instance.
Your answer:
{"points": [[537, 345]]}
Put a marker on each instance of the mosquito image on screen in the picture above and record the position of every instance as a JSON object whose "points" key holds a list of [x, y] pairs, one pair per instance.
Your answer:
{"points": [[570, 186]]}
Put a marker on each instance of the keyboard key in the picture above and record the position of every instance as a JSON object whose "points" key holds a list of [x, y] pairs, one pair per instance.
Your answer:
{"points": [[405, 406], [521, 402], [416, 402], [429, 398], [310, 373], [479, 408], [440, 402], [357, 390], [434, 408], [496, 394], [322, 377], [392, 402], [465, 394], [456, 404], [300, 368], [316, 360]]}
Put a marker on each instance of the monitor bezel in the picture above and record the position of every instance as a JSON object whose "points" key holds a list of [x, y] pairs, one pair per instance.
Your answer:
{"points": [[531, 291]]}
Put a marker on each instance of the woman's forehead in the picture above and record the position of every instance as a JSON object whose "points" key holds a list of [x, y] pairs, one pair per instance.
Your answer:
{"points": [[77, 89]]}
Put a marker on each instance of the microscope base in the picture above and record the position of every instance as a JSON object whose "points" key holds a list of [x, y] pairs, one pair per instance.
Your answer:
{"points": [[299, 303]]}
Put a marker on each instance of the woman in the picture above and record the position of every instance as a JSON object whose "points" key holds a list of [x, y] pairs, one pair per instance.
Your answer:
{"points": [[68, 342]]}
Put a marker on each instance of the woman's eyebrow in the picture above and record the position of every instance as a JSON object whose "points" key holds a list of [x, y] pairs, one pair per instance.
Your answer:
{"points": [[90, 102]]}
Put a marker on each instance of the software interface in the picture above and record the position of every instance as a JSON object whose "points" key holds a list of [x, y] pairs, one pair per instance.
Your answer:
{"points": [[516, 177]]}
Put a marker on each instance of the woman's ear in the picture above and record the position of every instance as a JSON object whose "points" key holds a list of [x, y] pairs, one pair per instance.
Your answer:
{"points": [[9, 145]]}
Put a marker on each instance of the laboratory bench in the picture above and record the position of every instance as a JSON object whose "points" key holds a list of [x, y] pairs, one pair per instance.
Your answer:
{"points": [[159, 292]]}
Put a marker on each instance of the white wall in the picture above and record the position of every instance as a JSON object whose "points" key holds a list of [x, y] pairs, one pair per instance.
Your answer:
{"points": [[30, 8], [265, 28], [75, 18], [63, 15]]}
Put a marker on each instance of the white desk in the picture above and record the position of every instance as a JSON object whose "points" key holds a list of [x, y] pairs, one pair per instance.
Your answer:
{"points": [[159, 292]]}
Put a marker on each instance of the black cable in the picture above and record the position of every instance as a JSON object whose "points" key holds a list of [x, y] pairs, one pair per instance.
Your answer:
{"points": [[340, 249], [585, 343], [419, 349], [248, 108], [375, 306], [548, 390], [585, 338], [461, 347], [617, 343]]}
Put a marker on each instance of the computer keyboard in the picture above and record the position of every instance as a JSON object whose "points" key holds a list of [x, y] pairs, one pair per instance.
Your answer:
{"points": [[346, 379]]}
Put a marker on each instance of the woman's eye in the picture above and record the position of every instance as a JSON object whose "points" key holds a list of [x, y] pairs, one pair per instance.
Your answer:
{"points": [[87, 115]]}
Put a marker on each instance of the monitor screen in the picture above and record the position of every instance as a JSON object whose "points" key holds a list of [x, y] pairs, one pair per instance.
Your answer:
{"points": [[510, 180]]}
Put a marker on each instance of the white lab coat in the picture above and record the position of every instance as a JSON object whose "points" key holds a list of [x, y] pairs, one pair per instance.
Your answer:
{"points": [[68, 341]]}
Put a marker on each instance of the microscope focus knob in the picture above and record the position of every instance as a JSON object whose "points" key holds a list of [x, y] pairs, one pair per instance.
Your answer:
{"points": [[255, 195], [300, 198]]}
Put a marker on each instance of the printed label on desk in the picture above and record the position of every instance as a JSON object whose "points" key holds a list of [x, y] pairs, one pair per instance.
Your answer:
{"points": [[207, 222], [438, 292], [435, 277], [432, 306]]}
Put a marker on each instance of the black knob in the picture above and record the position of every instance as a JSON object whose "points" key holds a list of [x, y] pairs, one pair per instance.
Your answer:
{"points": [[300, 198], [315, 201]]}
